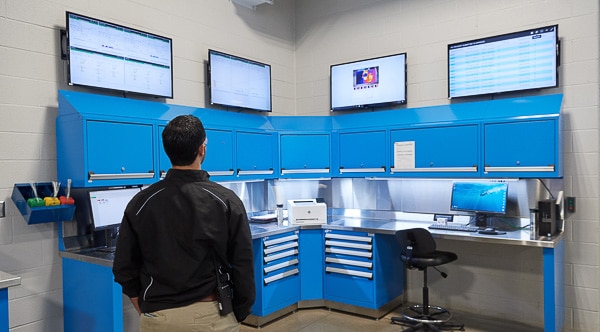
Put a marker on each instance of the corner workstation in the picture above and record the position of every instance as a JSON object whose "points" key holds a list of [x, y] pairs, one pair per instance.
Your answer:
{"points": [[312, 263]]}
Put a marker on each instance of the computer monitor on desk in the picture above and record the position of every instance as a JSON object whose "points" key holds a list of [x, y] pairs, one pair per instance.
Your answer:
{"points": [[107, 207], [482, 198]]}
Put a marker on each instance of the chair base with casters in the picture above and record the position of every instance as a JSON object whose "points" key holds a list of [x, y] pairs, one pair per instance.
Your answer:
{"points": [[418, 251]]}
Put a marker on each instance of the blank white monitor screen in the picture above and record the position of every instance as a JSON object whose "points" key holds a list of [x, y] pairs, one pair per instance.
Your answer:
{"points": [[111, 56], [109, 205], [512, 62]]}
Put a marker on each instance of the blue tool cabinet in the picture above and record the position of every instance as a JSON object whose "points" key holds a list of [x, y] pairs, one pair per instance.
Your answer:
{"points": [[276, 273]]}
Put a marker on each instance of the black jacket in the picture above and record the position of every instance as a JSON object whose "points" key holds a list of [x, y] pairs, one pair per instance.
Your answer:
{"points": [[163, 253]]}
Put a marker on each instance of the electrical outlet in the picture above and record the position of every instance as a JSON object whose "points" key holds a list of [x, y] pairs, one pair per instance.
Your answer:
{"points": [[2, 212]]}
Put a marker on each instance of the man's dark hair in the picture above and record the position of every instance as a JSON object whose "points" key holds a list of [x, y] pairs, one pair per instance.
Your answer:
{"points": [[182, 138]]}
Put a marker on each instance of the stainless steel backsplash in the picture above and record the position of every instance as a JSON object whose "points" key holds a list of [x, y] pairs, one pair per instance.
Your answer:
{"points": [[386, 194]]}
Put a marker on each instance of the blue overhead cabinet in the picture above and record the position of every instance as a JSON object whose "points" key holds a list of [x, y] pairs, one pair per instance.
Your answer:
{"points": [[256, 154], [436, 151], [528, 148], [362, 153], [305, 155]]}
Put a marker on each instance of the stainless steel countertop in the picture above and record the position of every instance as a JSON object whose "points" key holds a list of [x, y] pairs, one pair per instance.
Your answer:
{"points": [[8, 280], [362, 221]]}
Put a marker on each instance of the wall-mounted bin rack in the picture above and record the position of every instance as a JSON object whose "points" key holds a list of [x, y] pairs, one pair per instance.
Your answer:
{"points": [[42, 214]]}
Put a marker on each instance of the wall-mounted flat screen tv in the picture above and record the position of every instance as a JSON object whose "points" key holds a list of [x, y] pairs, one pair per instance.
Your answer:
{"points": [[369, 83], [237, 82], [111, 56], [523, 60]]}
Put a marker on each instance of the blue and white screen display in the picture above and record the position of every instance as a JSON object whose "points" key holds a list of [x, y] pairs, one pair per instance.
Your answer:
{"points": [[512, 62], [111, 56], [109, 205], [368, 83], [239, 82], [486, 197]]}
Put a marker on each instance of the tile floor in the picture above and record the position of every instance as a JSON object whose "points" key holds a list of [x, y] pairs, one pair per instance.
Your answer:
{"points": [[324, 320]]}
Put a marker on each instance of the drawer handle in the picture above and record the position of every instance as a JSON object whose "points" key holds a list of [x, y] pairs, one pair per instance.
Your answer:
{"points": [[271, 250], [366, 254], [472, 169], [280, 276], [354, 273], [348, 237], [368, 265], [348, 245], [280, 255], [269, 269], [267, 243], [304, 171], [550, 168]]}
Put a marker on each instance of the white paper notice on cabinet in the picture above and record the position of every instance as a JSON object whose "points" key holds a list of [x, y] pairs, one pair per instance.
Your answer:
{"points": [[404, 155]]}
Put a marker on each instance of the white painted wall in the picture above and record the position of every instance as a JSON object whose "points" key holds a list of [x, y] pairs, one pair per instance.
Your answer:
{"points": [[301, 39]]}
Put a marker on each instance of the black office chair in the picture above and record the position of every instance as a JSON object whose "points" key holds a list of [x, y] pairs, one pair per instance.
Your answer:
{"points": [[418, 251]]}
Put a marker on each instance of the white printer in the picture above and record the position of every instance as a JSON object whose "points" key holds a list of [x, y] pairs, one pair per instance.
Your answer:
{"points": [[306, 211]]}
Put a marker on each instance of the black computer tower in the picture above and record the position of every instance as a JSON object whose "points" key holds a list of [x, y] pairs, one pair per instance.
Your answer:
{"points": [[546, 218]]}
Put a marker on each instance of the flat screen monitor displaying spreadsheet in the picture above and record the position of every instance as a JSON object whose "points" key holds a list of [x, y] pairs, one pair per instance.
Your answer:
{"points": [[109, 205], [237, 82], [516, 61], [479, 197], [111, 56]]}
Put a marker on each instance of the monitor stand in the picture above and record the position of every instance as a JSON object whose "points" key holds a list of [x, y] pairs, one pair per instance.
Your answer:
{"points": [[481, 220]]}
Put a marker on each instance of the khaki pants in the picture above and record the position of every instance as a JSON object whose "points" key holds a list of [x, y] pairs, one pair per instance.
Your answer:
{"points": [[196, 317]]}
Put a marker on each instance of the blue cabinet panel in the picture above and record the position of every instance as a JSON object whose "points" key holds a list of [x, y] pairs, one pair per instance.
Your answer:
{"points": [[219, 153], [311, 264], [362, 153], [256, 154], [305, 155], [119, 151], [439, 151], [522, 148]]}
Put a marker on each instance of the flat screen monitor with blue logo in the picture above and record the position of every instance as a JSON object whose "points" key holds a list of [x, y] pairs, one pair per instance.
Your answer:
{"points": [[482, 198]]}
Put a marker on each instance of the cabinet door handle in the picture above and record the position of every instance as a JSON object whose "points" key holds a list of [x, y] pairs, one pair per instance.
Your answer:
{"points": [[255, 172], [107, 176], [472, 169], [368, 275], [550, 168], [304, 171], [362, 170], [220, 173], [281, 276]]}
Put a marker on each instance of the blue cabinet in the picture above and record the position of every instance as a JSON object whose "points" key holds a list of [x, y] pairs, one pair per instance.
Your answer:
{"points": [[304, 154], [363, 153], [362, 269], [523, 149], [276, 272], [311, 264], [437, 151], [104, 153], [219, 153], [256, 154]]}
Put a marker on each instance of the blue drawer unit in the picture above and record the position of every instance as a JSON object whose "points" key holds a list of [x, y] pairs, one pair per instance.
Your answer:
{"points": [[362, 269], [305, 155], [522, 148], [256, 154], [276, 273], [363, 153], [439, 151]]}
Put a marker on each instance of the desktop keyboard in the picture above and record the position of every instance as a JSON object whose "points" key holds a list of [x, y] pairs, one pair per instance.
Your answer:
{"points": [[450, 227]]}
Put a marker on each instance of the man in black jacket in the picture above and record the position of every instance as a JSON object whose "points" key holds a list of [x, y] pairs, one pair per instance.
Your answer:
{"points": [[174, 232]]}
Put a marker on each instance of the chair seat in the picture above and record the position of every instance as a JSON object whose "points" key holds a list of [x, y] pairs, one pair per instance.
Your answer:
{"points": [[431, 259]]}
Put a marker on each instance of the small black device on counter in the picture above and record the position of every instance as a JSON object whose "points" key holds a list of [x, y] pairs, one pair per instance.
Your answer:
{"points": [[546, 217]]}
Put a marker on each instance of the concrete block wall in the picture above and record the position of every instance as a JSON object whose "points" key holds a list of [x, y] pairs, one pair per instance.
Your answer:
{"points": [[423, 29], [301, 39]]}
